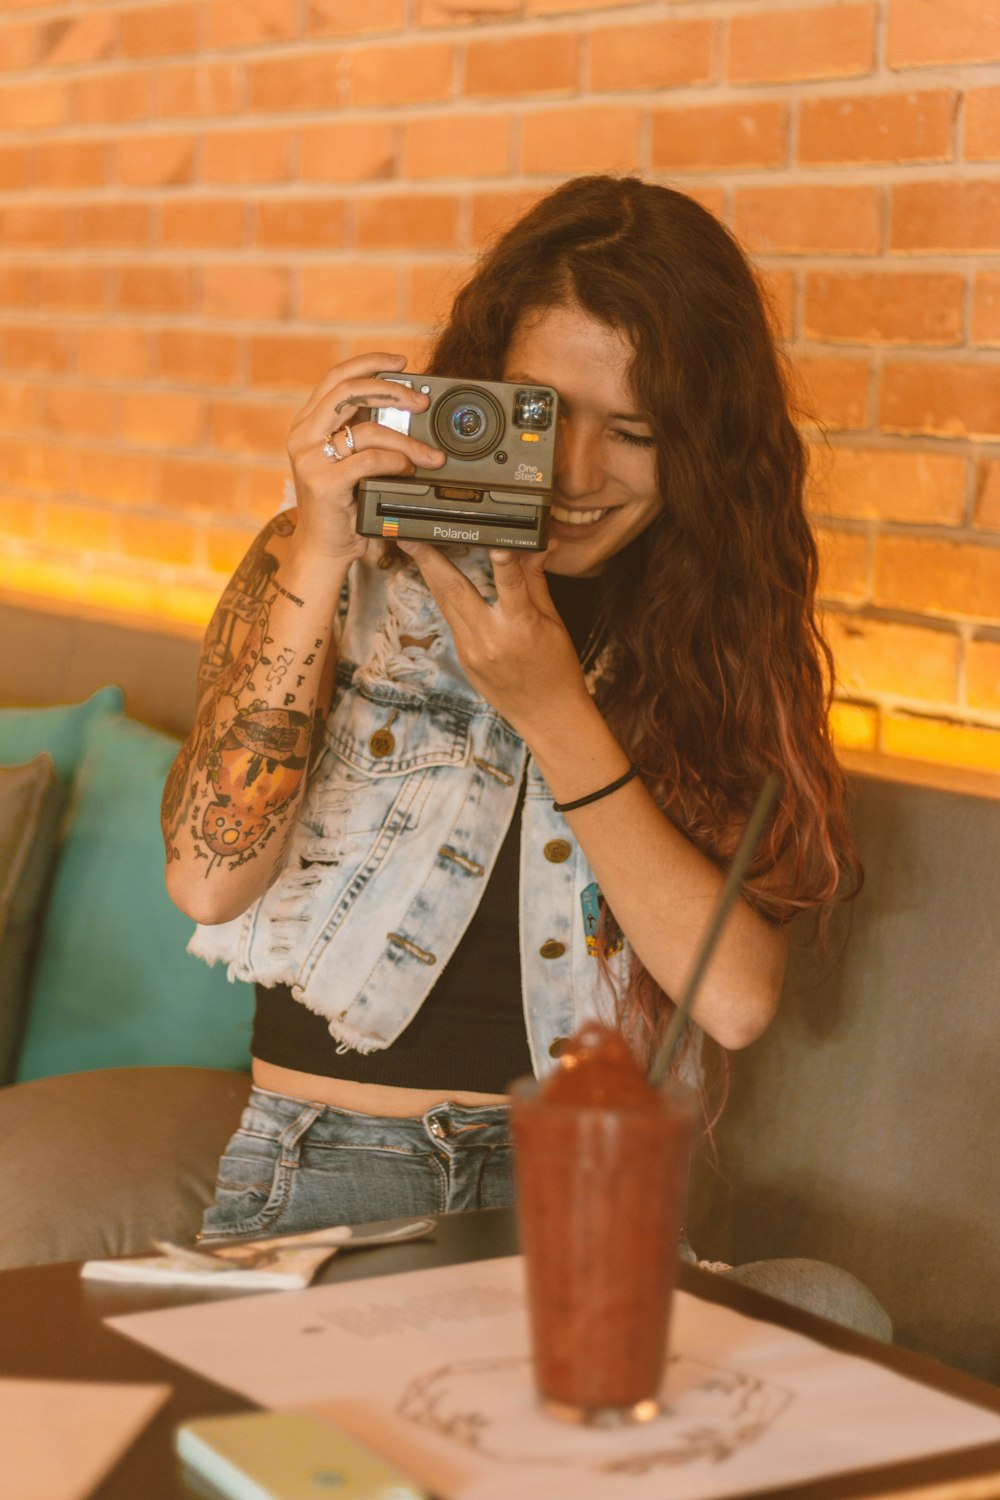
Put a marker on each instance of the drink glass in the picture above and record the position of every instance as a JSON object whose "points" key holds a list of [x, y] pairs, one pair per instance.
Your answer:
{"points": [[600, 1197]]}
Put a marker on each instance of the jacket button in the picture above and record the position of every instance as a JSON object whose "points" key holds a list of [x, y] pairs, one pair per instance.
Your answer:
{"points": [[552, 949], [559, 1046], [556, 850], [382, 742]]}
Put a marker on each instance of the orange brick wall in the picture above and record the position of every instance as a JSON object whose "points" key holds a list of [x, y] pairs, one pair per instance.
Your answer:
{"points": [[203, 205]]}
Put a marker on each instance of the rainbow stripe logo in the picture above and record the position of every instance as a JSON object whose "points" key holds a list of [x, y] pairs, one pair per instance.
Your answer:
{"points": [[390, 526]]}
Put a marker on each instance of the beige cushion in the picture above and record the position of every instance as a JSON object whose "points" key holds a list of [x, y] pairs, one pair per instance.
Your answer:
{"points": [[95, 1164], [31, 797]]}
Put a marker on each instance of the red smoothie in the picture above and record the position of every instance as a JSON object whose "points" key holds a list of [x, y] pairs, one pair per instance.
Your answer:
{"points": [[601, 1159]]}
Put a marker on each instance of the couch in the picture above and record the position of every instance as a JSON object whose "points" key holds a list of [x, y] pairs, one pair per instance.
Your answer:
{"points": [[859, 1129]]}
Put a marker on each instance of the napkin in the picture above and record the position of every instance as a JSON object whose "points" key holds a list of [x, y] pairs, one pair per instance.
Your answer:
{"points": [[294, 1267]]}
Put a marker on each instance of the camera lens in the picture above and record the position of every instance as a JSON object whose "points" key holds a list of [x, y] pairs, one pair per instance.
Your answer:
{"points": [[467, 422]]}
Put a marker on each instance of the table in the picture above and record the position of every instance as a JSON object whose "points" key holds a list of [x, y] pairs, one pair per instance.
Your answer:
{"points": [[51, 1327]]}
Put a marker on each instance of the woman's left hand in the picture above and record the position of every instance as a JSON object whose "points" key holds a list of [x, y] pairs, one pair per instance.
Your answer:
{"points": [[517, 653]]}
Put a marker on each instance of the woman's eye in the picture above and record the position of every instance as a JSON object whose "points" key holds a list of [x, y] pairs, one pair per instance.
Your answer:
{"points": [[634, 440]]}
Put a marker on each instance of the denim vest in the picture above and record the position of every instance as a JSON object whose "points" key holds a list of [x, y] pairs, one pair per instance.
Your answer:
{"points": [[401, 823]]}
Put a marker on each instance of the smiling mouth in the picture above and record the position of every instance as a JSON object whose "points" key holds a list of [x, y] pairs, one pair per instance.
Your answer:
{"points": [[578, 517]]}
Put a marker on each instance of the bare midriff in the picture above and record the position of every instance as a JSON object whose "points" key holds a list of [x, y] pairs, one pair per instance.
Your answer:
{"points": [[362, 1098]]}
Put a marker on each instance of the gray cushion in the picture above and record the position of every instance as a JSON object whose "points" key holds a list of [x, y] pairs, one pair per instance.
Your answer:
{"points": [[31, 797], [861, 1128], [97, 1164]]}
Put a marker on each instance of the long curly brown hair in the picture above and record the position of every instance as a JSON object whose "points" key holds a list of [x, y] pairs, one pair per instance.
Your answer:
{"points": [[719, 671]]}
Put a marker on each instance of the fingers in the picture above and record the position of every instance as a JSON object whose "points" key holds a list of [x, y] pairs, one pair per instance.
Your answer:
{"points": [[361, 366], [458, 599], [520, 581]]}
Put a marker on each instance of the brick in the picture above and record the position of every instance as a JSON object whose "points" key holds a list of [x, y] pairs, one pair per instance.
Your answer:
{"points": [[708, 137], [986, 308], [22, 519], [160, 30], [522, 65], [250, 426], [655, 55], [829, 41], [25, 227], [884, 307], [820, 219], [941, 741], [410, 222], [957, 579], [22, 45], [411, 74], [922, 33], [18, 286], [266, 487], [42, 467], [227, 546], [79, 528], [334, 18], [155, 161], [351, 292], [982, 678], [154, 539], [72, 164], [949, 399], [414, 348], [124, 97], [118, 225], [431, 288], [16, 167], [284, 361], [250, 291], [118, 476], [317, 81], [156, 289], [599, 138], [197, 486], [114, 352], [203, 223], [246, 156], [878, 128], [987, 513], [926, 489], [250, 23], [196, 356], [200, 91], [20, 408], [87, 38], [348, 151], [833, 391], [844, 564], [300, 224], [71, 288], [956, 216], [461, 12], [491, 213], [34, 106], [854, 726], [36, 350], [982, 124], [561, 7], [470, 145], [162, 419], [878, 656]]}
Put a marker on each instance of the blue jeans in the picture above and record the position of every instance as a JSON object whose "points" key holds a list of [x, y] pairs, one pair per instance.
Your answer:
{"points": [[294, 1166]]}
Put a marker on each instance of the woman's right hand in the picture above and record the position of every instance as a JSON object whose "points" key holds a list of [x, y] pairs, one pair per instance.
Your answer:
{"points": [[324, 487]]}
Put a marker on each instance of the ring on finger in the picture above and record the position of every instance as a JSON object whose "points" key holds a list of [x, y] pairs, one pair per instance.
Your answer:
{"points": [[330, 449]]}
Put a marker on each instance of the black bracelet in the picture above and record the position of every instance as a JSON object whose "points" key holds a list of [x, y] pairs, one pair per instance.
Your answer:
{"points": [[605, 791]]}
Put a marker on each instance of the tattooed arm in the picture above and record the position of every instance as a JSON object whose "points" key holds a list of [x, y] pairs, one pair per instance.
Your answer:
{"points": [[266, 671]]}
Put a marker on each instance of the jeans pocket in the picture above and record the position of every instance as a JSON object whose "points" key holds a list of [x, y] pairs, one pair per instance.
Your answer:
{"points": [[255, 1178]]}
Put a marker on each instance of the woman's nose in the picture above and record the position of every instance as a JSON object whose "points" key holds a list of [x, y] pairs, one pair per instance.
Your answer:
{"points": [[578, 470]]}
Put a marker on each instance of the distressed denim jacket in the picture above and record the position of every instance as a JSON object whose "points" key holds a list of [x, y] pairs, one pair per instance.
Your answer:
{"points": [[404, 815]]}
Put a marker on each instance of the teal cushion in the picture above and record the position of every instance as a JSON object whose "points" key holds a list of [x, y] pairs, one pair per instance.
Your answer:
{"points": [[113, 986], [61, 731]]}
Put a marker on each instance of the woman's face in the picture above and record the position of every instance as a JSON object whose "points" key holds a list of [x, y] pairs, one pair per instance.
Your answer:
{"points": [[604, 489]]}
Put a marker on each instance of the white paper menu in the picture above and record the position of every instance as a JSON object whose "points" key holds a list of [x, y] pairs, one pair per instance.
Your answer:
{"points": [[433, 1369]]}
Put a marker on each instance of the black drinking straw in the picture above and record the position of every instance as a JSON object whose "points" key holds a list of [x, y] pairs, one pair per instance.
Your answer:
{"points": [[734, 879]]}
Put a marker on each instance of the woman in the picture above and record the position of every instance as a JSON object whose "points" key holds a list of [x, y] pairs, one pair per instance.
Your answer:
{"points": [[535, 766]]}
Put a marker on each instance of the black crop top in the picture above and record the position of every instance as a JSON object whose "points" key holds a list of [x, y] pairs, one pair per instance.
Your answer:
{"points": [[469, 1034]]}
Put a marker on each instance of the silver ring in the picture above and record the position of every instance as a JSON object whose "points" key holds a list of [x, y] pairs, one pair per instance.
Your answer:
{"points": [[329, 450], [348, 437]]}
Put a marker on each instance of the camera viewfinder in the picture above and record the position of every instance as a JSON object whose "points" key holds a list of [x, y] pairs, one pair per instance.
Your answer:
{"points": [[533, 410]]}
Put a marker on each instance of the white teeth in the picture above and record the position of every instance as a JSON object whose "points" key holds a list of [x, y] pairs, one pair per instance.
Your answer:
{"points": [[577, 517]]}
